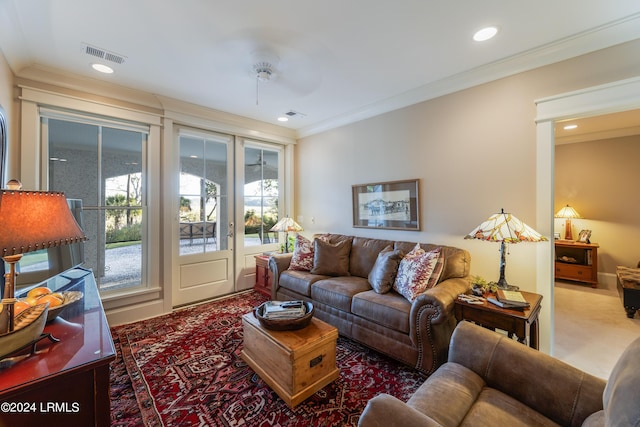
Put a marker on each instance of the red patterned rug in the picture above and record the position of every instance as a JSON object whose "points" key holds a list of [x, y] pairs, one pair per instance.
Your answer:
{"points": [[184, 369]]}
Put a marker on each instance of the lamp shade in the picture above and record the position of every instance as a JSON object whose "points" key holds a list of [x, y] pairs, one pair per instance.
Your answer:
{"points": [[505, 227], [286, 225], [567, 212], [35, 220]]}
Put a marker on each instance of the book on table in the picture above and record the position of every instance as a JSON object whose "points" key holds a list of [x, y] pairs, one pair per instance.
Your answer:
{"points": [[284, 309], [509, 299]]}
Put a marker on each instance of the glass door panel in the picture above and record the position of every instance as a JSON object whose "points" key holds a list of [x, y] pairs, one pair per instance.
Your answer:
{"points": [[261, 195]]}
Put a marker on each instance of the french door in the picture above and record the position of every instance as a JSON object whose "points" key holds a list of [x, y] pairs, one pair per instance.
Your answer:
{"points": [[227, 199], [205, 212]]}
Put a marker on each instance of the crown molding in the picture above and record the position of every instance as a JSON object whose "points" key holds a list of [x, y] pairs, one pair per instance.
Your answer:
{"points": [[607, 35]]}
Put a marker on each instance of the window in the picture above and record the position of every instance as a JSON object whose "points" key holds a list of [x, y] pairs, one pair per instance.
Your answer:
{"points": [[102, 165]]}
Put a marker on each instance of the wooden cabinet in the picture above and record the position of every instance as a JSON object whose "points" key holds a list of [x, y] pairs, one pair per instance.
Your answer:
{"points": [[66, 382], [577, 261], [263, 275]]}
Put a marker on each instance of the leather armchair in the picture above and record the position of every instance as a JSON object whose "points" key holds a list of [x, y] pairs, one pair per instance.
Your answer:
{"points": [[490, 380]]}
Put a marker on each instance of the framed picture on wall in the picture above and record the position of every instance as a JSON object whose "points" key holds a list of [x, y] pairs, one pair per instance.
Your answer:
{"points": [[388, 205]]}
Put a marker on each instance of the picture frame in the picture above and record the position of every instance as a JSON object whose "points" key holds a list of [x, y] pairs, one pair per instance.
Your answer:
{"points": [[584, 236], [392, 205]]}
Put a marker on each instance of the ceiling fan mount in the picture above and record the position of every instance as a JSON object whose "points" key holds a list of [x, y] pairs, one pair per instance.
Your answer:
{"points": [[265, 64]]}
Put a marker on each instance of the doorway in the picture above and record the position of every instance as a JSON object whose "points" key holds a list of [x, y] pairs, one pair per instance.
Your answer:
{"points": [[615, 97]]}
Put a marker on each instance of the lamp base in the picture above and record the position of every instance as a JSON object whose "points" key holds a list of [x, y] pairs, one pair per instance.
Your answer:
{"points": [[567, 230], [502, 284]]}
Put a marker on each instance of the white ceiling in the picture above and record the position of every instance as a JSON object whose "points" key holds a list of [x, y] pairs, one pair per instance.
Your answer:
{"points": [[340, 60]]}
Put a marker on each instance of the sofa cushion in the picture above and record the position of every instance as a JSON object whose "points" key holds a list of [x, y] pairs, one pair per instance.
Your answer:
{"points": [[494, 408], [337, 292], [364, 253], [299, 281], [418, 271], [331, 259], [390, 310], [384, 271]]}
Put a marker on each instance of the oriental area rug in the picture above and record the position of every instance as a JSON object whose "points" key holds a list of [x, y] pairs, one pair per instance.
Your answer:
{"points": [[184, 369]]}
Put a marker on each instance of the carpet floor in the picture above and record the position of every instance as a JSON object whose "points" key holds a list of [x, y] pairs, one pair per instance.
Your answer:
{"points": [[184, 369]]}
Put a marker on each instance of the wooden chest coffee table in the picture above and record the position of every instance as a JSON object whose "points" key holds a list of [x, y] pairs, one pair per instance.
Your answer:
{"points": [[295, 364]]}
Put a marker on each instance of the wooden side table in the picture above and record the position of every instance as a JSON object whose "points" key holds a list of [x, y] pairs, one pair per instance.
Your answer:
{"points": [[263, 275], [521, 323], [577, 261]]}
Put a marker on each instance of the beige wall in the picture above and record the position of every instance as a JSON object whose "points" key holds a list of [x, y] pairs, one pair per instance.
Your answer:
{"points": [[474, 152], [599, 179]]}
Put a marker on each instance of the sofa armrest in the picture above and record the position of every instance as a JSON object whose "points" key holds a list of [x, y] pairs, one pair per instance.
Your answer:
{"points": [[386, 411], [557, 390], [432, 321], [277, 264]]}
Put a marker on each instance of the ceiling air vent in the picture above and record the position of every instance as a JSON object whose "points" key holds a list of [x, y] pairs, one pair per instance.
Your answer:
{"points": [[292, 113], [103, 54]]}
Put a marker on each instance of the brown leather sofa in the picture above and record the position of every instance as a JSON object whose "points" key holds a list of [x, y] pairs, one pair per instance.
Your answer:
{"points": [[416, 333], [491, 380]]}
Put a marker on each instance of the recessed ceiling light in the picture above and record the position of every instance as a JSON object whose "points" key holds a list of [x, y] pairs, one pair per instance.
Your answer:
{"points": [[102, 68], [570, 127], [283, 119], [485, 34]]}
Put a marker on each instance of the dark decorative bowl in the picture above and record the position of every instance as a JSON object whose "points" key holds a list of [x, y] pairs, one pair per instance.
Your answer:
{"points": [[284, 324]]}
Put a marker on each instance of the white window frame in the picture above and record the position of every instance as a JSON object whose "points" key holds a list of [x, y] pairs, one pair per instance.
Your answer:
{"points": [[34, 176]]}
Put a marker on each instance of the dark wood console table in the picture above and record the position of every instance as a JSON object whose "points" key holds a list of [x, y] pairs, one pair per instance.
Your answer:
{"points": [[63, 383]]}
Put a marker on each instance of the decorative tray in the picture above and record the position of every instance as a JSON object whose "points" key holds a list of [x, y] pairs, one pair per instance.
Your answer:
{"points": [[284, 324], [70, 297]]}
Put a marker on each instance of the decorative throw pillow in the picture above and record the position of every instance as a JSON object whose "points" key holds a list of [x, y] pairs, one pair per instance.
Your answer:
{"points": [[417, 272], [331, 259], [384, 271], [302, 258]]}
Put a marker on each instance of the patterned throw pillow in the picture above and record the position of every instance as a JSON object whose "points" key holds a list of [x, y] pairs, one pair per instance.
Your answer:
{"points": [[302, 258], [418, 271]]}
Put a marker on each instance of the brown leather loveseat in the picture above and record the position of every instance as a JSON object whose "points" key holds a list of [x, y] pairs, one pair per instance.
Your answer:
{"points": [[414, 332], [491, 380]]}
